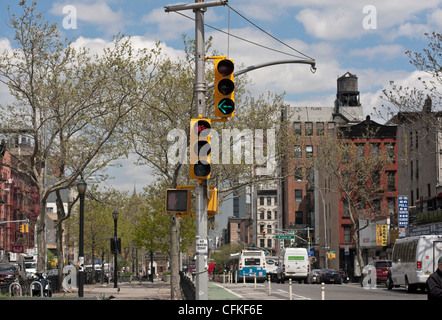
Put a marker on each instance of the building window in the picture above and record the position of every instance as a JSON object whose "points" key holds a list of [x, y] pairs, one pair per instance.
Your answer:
{"points": [[391, 206], [330, 126], [261, 201], [346, 213], [298, 174], [319, 128], [309, 151], [261, 215], [309, 128], [269, 201], [297, 127], [269, 243], [375, 150], [269, 215], [299, 217], [347, 234], [298, 152], [412, 197], [390, 152], [360, 150], [261, 243], [391, 180], [298, 195], [417, 169]]}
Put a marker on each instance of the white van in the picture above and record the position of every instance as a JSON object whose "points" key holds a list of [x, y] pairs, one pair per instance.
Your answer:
{"points": [[295, 264], [414, 259]]}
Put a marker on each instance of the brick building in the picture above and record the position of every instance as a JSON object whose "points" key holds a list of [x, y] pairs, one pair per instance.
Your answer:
{"points": [[19, 201]]}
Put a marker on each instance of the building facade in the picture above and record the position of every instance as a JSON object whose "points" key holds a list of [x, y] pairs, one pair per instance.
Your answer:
{"points": [[420, 167], [19, 208], [377, 203], [267, 219]]}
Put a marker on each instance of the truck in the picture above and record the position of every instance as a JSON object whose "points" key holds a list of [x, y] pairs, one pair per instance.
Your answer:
{"points": [[295, 265]]}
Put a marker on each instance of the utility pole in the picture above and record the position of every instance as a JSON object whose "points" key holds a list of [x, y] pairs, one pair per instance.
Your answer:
{"points": [[201, 241]]}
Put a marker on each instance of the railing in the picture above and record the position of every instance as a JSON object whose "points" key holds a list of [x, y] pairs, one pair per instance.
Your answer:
{"points": [[429, 217], [187, 286]]}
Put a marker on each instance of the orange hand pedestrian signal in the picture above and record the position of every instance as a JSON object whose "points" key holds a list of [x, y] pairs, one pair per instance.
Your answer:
{"points": [[177, 201]]}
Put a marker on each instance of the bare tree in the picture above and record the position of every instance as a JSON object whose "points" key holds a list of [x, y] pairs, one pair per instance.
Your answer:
{"points": [[357, 170], [70, 102]]}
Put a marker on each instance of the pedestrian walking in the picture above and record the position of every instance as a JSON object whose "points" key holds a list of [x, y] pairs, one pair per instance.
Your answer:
{"points": [[434, 283]]}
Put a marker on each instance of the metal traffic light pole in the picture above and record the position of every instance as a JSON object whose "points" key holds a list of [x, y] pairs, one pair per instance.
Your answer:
{"points": [[201, 243]]}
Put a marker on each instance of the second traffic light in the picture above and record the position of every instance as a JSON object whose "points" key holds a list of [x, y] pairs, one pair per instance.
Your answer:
{"points": [[224, 88], [200, 148]]}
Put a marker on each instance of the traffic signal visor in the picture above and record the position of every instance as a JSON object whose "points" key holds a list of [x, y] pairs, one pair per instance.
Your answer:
{"points": [[224, 88], [200, 148]]}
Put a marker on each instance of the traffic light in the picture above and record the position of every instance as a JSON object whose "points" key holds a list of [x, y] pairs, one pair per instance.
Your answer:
{"points": [[224, 88], [308, 240], [200, 148], [212, 202], [177, 201], [263, 233], [24, 228]]}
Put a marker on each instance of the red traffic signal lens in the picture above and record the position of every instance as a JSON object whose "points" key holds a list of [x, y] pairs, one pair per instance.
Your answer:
{"points": [[202, 128], [225, 67]]}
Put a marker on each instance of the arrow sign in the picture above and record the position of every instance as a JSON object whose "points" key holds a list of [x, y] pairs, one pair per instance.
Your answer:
{"points": [[226, 106]]}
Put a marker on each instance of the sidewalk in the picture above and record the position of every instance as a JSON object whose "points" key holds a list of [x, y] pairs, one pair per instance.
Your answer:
{"points": [[158, 290]]}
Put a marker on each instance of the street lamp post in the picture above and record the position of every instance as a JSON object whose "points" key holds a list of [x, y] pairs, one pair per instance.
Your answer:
{"points": [[81, 188], [115, 217]]}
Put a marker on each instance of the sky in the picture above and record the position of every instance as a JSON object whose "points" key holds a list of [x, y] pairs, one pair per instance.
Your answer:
{"points": [[366, 38]]}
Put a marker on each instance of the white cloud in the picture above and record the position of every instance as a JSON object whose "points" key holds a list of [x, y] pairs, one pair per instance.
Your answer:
{"points": [[97, 13], [332, 20], [382, 52]]}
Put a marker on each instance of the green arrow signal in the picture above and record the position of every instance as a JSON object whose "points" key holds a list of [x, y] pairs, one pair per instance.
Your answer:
{"points": [[226, 106]]}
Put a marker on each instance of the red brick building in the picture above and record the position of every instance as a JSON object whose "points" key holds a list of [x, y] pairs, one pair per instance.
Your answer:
{"points": [[370, 139], [19, 201]]}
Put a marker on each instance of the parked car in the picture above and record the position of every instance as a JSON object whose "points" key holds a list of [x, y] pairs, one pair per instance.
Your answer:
{"points": [[382, 267], [330, 276], [8, 272], [315, 276]]}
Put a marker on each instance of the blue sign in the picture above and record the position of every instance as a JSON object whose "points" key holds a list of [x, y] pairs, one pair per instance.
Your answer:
{"points": [[403, 211]]}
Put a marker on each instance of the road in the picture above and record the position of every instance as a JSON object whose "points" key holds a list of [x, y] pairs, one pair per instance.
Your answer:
{"points": [[348, 291]]}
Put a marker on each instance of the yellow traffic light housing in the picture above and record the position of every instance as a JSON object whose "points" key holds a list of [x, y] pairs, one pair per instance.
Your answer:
{"points": [[224, 88], [200, 148], [212, 202]]}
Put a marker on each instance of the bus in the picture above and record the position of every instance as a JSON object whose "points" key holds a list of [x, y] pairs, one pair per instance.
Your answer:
{"points": [[413, 260], [248, 264]]}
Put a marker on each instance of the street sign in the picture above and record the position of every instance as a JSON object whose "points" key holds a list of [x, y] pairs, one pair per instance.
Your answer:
{"points": [[284, 236], [202, 246], [403, 211]]}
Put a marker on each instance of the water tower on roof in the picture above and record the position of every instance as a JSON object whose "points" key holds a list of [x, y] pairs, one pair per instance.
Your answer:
{"points": [[347, 101]]}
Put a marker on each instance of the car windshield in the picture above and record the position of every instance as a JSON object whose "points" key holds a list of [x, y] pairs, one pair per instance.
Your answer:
{"points": [[7, 268], [383, 264]]}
